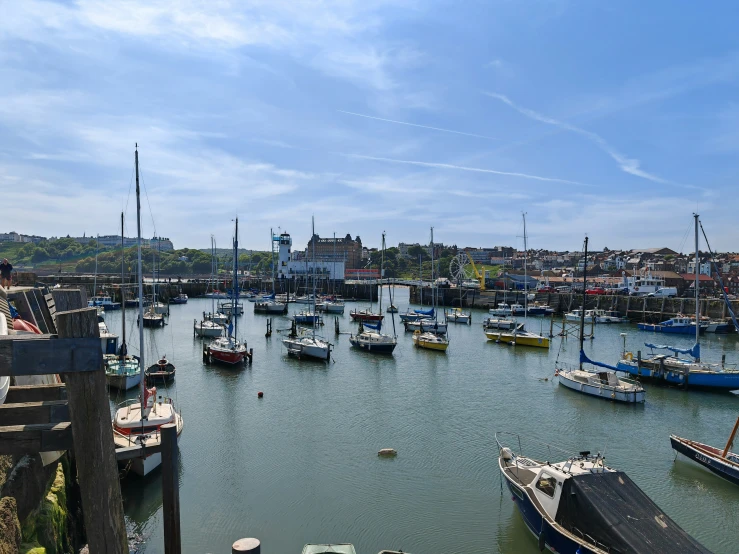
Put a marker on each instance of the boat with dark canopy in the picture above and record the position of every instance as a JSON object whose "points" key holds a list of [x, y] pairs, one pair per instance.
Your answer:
{"points": [[581, 505]]}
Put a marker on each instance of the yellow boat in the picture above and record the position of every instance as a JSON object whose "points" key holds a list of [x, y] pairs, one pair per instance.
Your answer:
{"points": [[430, 341], [523, 338]]}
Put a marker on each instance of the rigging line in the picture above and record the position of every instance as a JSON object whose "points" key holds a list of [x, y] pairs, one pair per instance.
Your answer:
{"points": [[130, 184], [685, 236], [146, 193]]}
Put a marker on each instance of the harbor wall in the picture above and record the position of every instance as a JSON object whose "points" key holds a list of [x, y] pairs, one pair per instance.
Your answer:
{"points": [[651, 310]]}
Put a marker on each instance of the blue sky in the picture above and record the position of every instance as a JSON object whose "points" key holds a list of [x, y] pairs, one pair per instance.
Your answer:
{"points": [[616, 119]]}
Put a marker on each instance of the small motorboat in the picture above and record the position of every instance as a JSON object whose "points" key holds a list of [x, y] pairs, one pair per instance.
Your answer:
{"points": [[391, 309], [122, 372], [722, 462], [163, 370], [344, 548], [372, 340], [581, 505], [152, 318], [179, 299], [678, 325], [456, 315]]}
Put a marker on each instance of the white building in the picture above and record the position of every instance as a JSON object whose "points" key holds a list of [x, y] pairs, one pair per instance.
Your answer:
{"points": [[301, 266], [704, 267]]}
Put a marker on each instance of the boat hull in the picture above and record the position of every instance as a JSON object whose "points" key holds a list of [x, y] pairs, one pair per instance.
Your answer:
{"points": [[202, 331], [700, 454], [123, 382], [709, 380], [420, 342], [270, 308], [553, 540], [229, 357], [523, 340], [374, 347], [432, 327], [604, 392], [358, 316], [305, 349], [672, 330]]}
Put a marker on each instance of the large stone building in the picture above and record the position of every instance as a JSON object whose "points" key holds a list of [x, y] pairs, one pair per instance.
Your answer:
{"points": [[292, 265], [345, 249]]}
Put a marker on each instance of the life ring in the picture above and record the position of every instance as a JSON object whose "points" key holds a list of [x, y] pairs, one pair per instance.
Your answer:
{"points": [[629, 356]]}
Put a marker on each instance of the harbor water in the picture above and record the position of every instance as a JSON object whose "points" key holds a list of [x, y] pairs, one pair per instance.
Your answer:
{"points": [[300, 465]]}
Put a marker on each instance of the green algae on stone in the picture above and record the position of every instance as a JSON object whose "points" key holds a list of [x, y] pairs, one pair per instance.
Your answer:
{"points": [[45, 530]]}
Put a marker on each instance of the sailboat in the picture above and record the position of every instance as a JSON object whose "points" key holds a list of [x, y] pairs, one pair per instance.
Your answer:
{"points": [[137, 421], [228, 349], [603, 384], [310, 346], [427, 337], [686, 372], [370, 337], [519, 335], [153, 316], [722, 462], [366, 314], [212, 323], [122, 371]]}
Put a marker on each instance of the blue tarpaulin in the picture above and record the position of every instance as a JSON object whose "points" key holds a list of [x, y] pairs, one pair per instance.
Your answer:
{"points": [[377, 326], [425, 312], [585, 360], [695, 351]]}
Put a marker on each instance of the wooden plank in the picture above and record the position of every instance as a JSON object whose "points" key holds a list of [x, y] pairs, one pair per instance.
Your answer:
{"points": [[69, 299], [24, 413], [30, 439], [45, 354], [97, 469], [170, 489], [20, 301], [130, 452], [41, 311], [36, 393]]}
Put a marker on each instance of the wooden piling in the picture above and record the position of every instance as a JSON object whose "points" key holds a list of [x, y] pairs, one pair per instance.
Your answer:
{"points": [[253, 546], [170, 489], [97, 468]]}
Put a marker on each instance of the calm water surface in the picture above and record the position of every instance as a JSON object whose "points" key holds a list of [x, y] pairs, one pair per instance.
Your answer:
{"points": [[301, 465]]}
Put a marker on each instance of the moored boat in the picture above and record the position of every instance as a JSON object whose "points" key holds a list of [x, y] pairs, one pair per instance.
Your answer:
{"points": [[207, 328], [179, 299], [582, 506], [722, 462], [430, 341], [426, 326], [456, 315], [678, 325], [162, 371]]}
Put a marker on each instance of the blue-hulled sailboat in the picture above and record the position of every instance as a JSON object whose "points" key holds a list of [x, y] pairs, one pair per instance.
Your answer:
{"points": [[721, 462], [685, 372]]}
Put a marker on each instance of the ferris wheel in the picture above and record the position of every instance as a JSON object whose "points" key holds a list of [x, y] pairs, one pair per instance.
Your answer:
{"points": [[459, 268]]}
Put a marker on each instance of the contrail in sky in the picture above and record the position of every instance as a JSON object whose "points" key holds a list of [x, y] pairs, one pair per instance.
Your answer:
{"points": [[467, 168], [416, 125]]}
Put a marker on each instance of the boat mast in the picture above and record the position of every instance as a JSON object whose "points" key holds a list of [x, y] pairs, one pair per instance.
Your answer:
{"points": [[420, 277], [525, 271], [235, 281], [382, 272], [313, 274], [582, 311], [97, 248], [213, 274], [140, 279], [697, 280], [123, 349], [433, 283], [333, 273]]}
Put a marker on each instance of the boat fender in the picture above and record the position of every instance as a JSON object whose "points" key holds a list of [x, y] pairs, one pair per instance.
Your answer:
{"points": [[629, 356], [542, 535]]}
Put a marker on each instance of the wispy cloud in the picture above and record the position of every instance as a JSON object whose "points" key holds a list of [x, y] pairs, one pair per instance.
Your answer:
{"points": [[628, 165], [467, 168], [417, 125]]}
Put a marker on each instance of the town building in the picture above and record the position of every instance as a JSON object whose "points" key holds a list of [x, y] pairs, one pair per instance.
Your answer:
{"points": [[346, 250], [292, 265], [160, 243]]}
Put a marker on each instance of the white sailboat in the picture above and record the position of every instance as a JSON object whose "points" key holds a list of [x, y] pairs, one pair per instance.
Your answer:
{"points": [[310, 346], [602, 384], [212, 323], [370, 336], [429, 338], [137, 422]]}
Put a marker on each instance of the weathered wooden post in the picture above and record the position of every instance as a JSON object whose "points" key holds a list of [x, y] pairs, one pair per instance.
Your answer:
{"points": [[253, 546], [92, 432], [170, 489]]}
